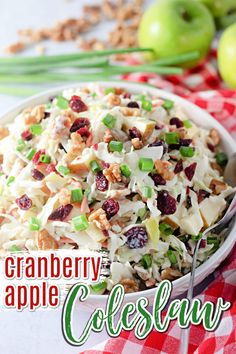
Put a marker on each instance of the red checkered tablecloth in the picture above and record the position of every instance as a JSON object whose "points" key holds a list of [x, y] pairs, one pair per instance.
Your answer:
{"points": [[202, 86]]}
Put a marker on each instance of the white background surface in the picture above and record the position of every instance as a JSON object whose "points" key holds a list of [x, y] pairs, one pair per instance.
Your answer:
{"points": [[37, 332]]}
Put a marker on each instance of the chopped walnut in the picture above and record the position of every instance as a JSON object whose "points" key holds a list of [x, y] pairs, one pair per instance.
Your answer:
{"points": [[217, 167], [107, 136], [15, 48], [214, 136], [76, 148], [114, 100], [126, 111], [33, 116], [46, 241], [130, 285], [170, 274], [112, 173], [2, 211], [137, 143], [64, 196], [162, 168], [109, 9], [93, 12], [217, 186], [99, 217], [150, 282], [3, 132]]}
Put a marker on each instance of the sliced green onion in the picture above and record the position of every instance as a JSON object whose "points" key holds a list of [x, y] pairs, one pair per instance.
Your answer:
{"points": [[76, 195], [109, 121], [10, 180], [45, 158], [80, 223], [95, 167], [62, 102], [187, 123], [196, 237], [172, 138], [36, 129], [99, 287], [168, 104], [63, 170], [125, 170], [142, 212], [221, 159], [187, 151], [115, 146], [20, 145], [147, 105], [147, 192], [30, 154], [109, 90], [14, 248], [34, 224], [165, 229], [172, 257], [146, 261], [146, 164]]}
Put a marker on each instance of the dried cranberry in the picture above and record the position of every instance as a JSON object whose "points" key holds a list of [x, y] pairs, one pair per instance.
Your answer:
{"points": [[26, 135], [61, 213], [77, 105], [36, 157], [202, 194], [36, 174], [84, 132], [159, 143], [188, 202], [79, 123], [127, 95], [179, 167], [203, 244], [24, 202], [190, 170], [166, 203], [157, 179], [111, 207], [136, 237], [135, 133], [185, 142], [177, 122], [101, 182], [51, 168], [133, 104], [211, 147]]}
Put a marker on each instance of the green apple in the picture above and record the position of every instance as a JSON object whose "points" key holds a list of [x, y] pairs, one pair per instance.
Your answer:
{"points": [[227, 56], [172, 27], [224, 11]]}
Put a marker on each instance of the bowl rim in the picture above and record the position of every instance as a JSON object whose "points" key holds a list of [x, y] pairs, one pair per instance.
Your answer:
{"points": [[133, 86]]}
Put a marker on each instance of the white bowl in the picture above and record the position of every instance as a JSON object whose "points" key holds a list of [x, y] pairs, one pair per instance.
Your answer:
{"points": [[201, 118]]}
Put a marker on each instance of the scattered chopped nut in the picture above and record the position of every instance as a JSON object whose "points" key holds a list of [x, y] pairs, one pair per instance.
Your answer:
{"points": [[107, 136], [99, 217], [15, 48], [217, 167], [217, 186], [126, 111], [33, 116], [162, 168], [150, 282], [130, 285], [112, 173], [76, 148], [3, 132], [215, 137], [170, 274], [46, 241], [114, 100], [137, 143], [64, 196]]}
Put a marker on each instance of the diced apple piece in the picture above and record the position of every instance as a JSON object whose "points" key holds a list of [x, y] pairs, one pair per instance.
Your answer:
{"points": [[152, 226], [145, 126], [81, 163], [192, 224], [211, 209], [96, 234]]}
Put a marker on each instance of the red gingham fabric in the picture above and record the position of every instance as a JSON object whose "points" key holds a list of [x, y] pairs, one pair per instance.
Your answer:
{"points": [[202, 86]]}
